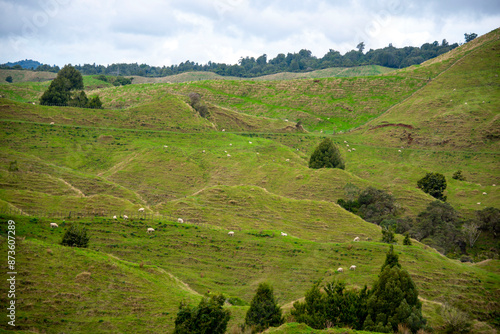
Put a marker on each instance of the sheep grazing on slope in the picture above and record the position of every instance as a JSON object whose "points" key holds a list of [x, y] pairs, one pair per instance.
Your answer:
{"points": [[340, 270], [114, 217], [53, 225], [353, 267], [150, 229], [356, 239], [230, 233], [125, 217], [283, 234], [141, 210], [180, 220]]}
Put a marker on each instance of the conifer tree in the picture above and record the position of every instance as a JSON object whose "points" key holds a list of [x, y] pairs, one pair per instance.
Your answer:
{"points": [[264, 311], [393, 299], [208, 317], [326, 155]]}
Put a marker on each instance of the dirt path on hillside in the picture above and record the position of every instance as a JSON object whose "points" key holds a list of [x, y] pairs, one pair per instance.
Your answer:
{"points": [[119, 166], [75, 189]]}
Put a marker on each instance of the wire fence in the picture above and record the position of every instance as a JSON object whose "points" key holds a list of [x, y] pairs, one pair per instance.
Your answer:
{"points": [[120, 215]]}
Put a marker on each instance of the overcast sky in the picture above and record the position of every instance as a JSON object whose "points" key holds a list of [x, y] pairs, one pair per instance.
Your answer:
{"points": [[168, 32]]}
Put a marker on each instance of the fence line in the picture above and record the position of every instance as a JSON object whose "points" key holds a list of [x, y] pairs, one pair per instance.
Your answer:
{"points": [[78, 214]]}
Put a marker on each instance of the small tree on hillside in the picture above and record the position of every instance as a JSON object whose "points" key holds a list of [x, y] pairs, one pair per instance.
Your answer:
{"points": [[9, 79], [264, 311], [208, 317], [470, 37], [58, 93], [326, 155], [434, 184], [76, 237], [394, 300], [458, 176]]}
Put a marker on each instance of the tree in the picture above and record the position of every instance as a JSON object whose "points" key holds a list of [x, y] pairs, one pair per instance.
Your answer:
{"points": [[208, 317], [472, 232], [76, 237], [433, 184], [439, 225], [326, 155], [264, 311], [407, 240], [489, 219], [9, 79], [388, 236], [360, 46], [95, 103], [59, 91], [335, 306], [469, 37], [394, 300], [375, 205]]}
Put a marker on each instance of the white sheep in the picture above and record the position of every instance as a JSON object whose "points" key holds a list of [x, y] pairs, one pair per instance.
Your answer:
{"points": [[484, 193], [283, 234], [349, 150], [399, 151], [356, 239], [230, 144], [141, 210], [223, 130], [51, 123], [353, 267], [53, 225], [203, 151], [249, 142], [228, 155], [150, 229], [345, 141], [114, 217], [347, 145], [287, 160], [340, 270], [353, 149], [125, 217], [478, 203], [230, 233], [180, 220]]}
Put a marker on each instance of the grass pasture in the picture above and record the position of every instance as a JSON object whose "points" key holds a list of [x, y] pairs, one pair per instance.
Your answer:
{"points": [[243, 169]]}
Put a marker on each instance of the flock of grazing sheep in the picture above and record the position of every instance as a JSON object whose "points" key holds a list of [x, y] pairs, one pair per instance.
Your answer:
{"points": [[230, 233]]}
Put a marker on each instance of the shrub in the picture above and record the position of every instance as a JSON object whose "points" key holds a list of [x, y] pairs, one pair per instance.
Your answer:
{"points": [[76, 237], [455, 321], [208, 317], [388, 236], [9, 79], [433, 184], [326, 155], [458, 176], [264, 311]]}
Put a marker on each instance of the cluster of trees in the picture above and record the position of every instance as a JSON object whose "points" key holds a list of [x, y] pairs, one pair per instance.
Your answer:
{"points": [[392, 302], [115, 80], [210, 316], [301, 61], [439, 225], [195, 102], [76, 237], [67, 90]]}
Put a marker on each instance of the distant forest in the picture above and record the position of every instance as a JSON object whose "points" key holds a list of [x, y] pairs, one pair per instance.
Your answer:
{"points": [[248, 67]]}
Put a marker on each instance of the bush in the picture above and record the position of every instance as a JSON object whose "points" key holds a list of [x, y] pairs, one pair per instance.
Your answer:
{"points": [[76, 237], [208, 317], [455, 321], [433, 184], [264, 311], [326, 155], [9, 79], [388, 236], [407, 240], [458, 176]]}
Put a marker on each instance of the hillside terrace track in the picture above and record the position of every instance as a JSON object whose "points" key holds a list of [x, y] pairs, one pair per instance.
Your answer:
{"points": [[465, 55]]}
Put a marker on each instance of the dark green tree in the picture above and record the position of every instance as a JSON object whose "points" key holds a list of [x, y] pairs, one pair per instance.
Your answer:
{"points": [[388, 235], [76, 237], [8, 79], [489, 220], [433, 184], [326, 155], [264, 311], [394, 300], [438, 226], [95, 103], [335, 306], [208, 317], [470, 37], [59, 91], [375, 205], [79, 100], [407, 240], [360, 46]]}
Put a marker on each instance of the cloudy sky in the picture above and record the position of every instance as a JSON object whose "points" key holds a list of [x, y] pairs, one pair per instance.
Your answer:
{"points": [[168, 32]]}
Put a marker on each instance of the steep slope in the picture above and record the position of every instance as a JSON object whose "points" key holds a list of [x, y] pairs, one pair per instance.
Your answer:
{"points": [[457, 109]]}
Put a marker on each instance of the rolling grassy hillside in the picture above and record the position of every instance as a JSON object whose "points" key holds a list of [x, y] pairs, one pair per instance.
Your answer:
{"points": [[150, 149]]}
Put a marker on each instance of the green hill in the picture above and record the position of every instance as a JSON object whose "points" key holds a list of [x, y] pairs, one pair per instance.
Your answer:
{"points": [[243, 169]]}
